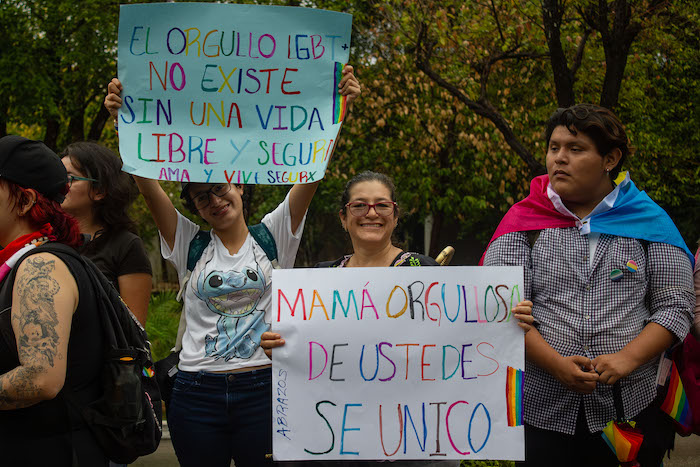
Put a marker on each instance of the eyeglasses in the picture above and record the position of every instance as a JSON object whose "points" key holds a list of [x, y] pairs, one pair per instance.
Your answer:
{"points": [[201, 199], [72, 178], [382, 208], [580, 111]]}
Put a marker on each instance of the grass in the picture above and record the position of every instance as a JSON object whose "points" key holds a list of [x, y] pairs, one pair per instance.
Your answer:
{"points": [[161, 325]]}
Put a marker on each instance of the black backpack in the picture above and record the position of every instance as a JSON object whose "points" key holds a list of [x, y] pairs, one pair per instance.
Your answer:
{"points": [[126, 420]]}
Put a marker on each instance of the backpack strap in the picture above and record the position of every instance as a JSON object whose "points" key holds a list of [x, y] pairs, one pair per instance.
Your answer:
{"points": [[197, 246], [259, 232], [194, 252], [264, 237]]}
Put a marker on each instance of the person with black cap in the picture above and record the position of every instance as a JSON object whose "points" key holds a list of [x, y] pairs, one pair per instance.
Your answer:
{"points": [[57, 343], [221, 401]]}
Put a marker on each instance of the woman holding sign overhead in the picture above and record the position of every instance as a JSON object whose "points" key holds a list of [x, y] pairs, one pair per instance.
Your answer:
{"points": [[221, 402], [369, 213]]}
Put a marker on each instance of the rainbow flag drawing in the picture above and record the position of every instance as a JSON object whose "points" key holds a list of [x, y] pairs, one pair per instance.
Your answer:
{"points": [[514, 396], [676, 403], [338, 99]]}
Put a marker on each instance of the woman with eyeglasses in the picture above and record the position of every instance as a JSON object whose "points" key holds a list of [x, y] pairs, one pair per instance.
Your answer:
{"points": [[369, 214], [99, 198], [221, 401]]}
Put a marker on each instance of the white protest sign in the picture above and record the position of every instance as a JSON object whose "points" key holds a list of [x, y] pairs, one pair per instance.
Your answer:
{"points": [[397, 363]]}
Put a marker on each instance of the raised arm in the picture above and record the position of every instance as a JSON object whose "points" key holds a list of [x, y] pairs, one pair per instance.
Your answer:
{"points": [[300, 196], [158, 202], [44, 298]]}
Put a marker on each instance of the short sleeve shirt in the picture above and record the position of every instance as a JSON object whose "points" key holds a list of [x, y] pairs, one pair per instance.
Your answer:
{"points": [[228, 297], [118, 253]]}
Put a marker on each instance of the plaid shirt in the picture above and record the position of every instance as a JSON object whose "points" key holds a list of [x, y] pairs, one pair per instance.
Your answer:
{"points": [[580, 310]]}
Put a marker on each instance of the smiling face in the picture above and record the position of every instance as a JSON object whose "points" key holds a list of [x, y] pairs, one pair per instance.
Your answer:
{"points": [[371, 230], [223, 211], [577, 171]]}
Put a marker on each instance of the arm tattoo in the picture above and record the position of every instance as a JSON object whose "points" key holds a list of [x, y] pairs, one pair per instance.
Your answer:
{"points": [[37, 319], [17, 388]]}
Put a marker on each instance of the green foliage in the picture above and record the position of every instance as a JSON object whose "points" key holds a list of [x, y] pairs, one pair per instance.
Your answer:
{"points": [[660, 103], [447, 160], [162, 322]]}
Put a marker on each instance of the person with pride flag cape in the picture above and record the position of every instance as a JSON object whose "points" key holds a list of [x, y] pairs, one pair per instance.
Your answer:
{"points": [[610, 278]]}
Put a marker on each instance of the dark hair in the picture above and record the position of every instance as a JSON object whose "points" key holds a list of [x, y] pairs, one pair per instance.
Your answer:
{"points": [[45, 211], [599, 124], [368, 176], [119, 190]]}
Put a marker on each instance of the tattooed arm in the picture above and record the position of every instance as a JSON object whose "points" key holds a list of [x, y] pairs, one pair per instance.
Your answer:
{"points": [[44, 298]]}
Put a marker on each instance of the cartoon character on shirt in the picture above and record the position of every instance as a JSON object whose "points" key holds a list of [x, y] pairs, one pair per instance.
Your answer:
{"points": [[234, 295]]}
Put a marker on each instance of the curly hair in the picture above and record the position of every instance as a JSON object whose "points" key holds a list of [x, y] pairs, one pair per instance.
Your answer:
{"points": [[599, 124], [119, 189], [45, 211]]}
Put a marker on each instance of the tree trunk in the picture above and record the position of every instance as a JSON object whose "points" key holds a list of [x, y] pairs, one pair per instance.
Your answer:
{"points": [[98, 124], [616, 61], [52, 128], [552, 14], [435, 246], [617, 41], [76, 126]]}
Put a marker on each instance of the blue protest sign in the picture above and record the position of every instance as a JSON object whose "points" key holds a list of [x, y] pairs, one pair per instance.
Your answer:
{"points": [[230, 93]]}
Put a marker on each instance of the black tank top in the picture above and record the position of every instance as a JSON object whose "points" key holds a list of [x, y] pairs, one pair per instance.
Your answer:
{"points": [[21, 429]]}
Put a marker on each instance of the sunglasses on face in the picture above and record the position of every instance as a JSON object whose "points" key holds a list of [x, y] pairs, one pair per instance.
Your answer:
{"points": [[201, 199], [73, 178], [382, 208]]}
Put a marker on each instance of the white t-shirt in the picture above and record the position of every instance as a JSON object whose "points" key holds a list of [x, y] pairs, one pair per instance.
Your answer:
{"points": [[228, 298]]}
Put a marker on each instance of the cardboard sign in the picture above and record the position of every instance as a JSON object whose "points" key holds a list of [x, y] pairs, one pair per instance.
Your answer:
{"points": [[397, 363], [230, 93]]}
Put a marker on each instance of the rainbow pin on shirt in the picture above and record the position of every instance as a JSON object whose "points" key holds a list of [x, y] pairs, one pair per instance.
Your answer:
{"points": [[615, 275], [632, 266]]}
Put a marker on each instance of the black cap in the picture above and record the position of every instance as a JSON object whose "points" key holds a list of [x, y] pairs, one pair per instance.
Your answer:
{"points": [[31, 164]]}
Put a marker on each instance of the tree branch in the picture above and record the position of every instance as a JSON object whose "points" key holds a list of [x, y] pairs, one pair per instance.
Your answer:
{"points": [[578, 58], [492, 7], [482, 107]]}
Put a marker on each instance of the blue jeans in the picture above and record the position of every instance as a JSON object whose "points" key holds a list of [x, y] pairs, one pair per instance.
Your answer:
{"points": [[214, 417]]}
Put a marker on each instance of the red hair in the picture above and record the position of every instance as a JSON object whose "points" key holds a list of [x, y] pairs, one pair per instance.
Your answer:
{"points": [[45, 211]]}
